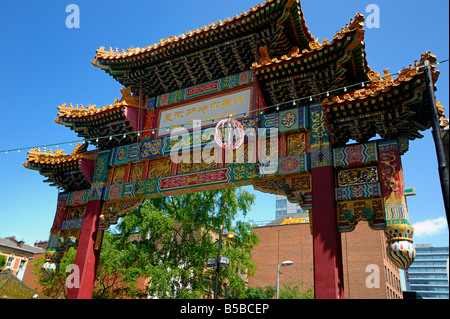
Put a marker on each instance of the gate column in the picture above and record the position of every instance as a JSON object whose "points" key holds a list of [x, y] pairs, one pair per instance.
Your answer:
{"points": [[328, 273], [87, 253], [87, 257]]}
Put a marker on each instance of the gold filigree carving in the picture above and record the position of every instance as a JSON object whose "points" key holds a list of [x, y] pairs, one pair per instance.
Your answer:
{"points": [[358, 176], [296, 144], [136, 172], [370, 210], [76, 212], [301, 183], [119, 175], [159, 168]]}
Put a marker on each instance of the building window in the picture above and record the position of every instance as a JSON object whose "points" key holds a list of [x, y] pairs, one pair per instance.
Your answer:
{"points": [[10, 262], [22, 263]]}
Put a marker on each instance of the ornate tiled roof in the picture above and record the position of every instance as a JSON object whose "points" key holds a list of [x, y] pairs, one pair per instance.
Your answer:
{"points": [[382, 84], [218, 50], [387, 106], [322, 66], [254, 14], [66, 171], [122, 117], [77, 112], [57, 157], [314, 46]]}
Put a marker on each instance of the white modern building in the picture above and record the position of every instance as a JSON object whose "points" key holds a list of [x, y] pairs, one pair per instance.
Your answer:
{"points": [[283, 206], [428, 275]]}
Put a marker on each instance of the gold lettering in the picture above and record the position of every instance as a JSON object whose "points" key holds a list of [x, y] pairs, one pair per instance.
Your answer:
{"points": [[239, 100], [203, 109], [168, 117], [215, 105], [227, 103], [179, 114], [191, 111]]}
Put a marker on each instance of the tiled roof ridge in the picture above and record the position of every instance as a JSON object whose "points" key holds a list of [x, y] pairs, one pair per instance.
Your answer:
{"points": [[102, 54]]}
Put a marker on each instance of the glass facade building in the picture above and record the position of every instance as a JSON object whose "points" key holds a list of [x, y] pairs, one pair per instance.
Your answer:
{"points": [[428, 274], [283, 206]]}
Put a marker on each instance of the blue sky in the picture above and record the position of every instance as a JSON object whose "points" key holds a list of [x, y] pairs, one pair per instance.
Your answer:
{"points": [[45, 64]]}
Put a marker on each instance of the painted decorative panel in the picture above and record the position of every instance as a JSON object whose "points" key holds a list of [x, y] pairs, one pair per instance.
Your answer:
{"points": [[202, 89], [269, 120], [296, 144], [77, 198], [151, 148], [101, 167], [355, 155], [371, 190], [195, 179], [294, 164], [357, 176], [321, 153], [293, 120], [351, 212]]}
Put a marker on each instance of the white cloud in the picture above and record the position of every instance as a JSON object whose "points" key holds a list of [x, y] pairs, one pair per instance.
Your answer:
{"points": [[430, 227]]}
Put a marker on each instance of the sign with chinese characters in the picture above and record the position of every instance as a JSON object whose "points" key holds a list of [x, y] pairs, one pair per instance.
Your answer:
{"points": [[207, 111]]}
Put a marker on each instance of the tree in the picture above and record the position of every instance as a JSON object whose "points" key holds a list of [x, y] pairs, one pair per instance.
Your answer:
{"points": [[56, 287], [109, 284], [268, 292], [289, 291], [177, 234], [168, 241], [2, 261]]}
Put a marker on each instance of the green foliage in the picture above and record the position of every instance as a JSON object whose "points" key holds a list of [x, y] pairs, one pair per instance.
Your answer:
{"points": [[2, 261], [289, 291], [176, 236], [108, 284], [267, 292], [167, 240], [56, 287]]}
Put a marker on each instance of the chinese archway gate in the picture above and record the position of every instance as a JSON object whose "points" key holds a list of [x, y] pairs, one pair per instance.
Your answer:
{"points": [[299, 100]]}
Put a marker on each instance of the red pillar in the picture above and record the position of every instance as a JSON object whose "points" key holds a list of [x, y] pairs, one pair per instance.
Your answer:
{"points": [[328, 273], [87, 257]]}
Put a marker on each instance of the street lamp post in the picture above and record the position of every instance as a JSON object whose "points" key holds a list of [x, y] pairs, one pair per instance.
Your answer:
{"points": [[440, 151], [218, 263], [284, 263], [218, 260]]}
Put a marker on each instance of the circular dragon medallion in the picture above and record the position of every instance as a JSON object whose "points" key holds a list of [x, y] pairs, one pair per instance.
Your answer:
{"points": [[288, 119], [243, 78], [115, 191], [289, 164]]}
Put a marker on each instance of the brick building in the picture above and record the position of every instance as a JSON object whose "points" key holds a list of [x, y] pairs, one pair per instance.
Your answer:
{"points": [[368, 272], [18, 255]]}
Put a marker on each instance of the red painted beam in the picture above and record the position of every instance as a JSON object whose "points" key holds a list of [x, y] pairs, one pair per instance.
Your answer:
{"points": [[87, 257], [328, 273], [87, 166]]}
